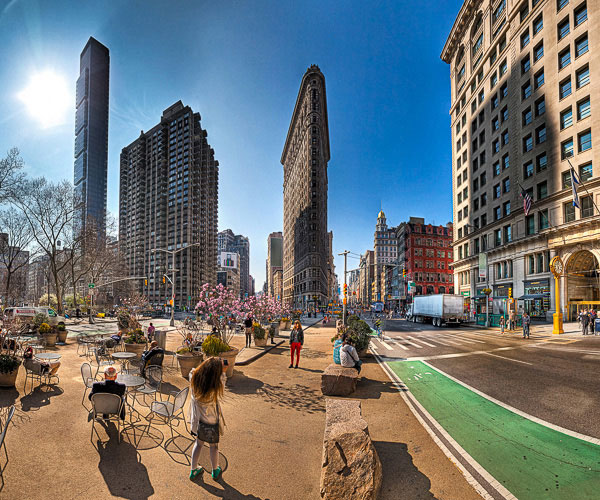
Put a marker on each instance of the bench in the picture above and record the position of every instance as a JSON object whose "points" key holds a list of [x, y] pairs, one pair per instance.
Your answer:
{"points": [[337, 380]]}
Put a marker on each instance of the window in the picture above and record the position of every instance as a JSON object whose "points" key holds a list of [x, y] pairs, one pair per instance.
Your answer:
{"points": [[540, 106], [475, 185], [566, 149], [561, 3], [481, 97], [494, 101], [582, 77], [526, 90], [493, 56], [566, 118], [541, 162], [505, 162], [564, 89], [524, 11], [526, 116], [542, 224], [504, 90], [525, 38], [538, 79], [475, 165], [483, 201], [527, 143], [493, 80], [529, 225], [504, 114], [563, 28], [497, 213], [506, 185], [496, 168], [538, 52], [497, 191], [498, 11], [585, 172], [540, 134], [583, 109], [497, 238], [525, 64], [506, 208], [581, 45], [483, 179], [503, 68], [505, 137], [483, 221], [584, 141], [587, 207], [542, 190], [528, 169], [580, 14], [507, 234], [568, 212], [476, 205], [495, 146], [495, 123], [482, 158], [566, 179], [482, 137], [564, 58], [538, 24]]}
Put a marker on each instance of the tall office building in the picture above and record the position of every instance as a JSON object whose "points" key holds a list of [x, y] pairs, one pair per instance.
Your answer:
{"points": [[91, 133], [385, 248], [275, 264], [168, 201], [304, 159], [523, 111], [237, 243]]}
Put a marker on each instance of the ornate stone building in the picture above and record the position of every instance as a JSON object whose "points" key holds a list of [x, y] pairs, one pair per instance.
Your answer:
{"points": [[524, 80], [385, 248], [306, 247]]}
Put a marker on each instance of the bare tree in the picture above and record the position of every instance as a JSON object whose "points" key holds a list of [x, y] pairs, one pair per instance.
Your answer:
{"points": [[50, 209], [11, 175], [15, 238]]}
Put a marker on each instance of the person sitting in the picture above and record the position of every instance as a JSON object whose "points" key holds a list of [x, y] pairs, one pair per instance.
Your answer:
{"points": [[149, 355], [117, 337], [39, 367], [348, 354], [111, 386]]}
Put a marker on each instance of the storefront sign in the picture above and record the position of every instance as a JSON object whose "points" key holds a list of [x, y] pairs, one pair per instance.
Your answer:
{"points": [[483, 265], [502, 290], [480, 292], [466, 294], [539, 287]]}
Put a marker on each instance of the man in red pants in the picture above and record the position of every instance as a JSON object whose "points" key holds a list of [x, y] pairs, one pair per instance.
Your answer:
{"points": [[296, 342]]}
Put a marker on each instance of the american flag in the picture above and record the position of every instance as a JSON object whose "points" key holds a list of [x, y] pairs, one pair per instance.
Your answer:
{"points": [[527, 201]]}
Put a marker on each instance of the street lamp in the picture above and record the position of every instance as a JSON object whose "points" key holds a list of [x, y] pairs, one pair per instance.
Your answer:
{"points": [[173, 270]]}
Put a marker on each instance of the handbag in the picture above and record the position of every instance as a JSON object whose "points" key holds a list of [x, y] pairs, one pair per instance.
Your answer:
{"points": [[209, 432]]}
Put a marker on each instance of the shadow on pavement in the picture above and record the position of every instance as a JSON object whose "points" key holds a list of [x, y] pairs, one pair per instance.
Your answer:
{"points": [[401, 478], [226, 491], [241, 384], [40, 396], [121, 467], [296, 397]]}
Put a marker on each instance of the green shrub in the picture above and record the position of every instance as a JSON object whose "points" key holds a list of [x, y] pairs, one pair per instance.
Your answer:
{"points": [[40, 318], [61, 327], [8, 363], [135, 337], [213, 346], [360, 333], [44, 328], [258, 331]]}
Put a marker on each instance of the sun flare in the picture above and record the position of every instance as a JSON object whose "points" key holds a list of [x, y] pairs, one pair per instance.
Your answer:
{"points": [[47, 98]]}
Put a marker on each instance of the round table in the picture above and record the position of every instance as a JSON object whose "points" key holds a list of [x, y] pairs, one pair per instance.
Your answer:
{"points": [[48, 356], [124, 358], [130, 380]]}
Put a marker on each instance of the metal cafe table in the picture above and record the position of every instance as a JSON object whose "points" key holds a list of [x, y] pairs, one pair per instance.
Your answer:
{"points": [[124, 357], [131, 382]]}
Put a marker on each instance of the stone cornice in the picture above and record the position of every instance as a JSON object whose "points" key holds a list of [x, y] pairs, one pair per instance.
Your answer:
{"points": [[460, 24]]}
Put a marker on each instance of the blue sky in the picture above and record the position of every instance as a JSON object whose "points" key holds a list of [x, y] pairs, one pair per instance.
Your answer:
{"points": [[239, 64]]}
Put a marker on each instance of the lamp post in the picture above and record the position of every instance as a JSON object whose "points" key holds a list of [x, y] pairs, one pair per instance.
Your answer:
{"points": [[173, 270], [557, 266]]}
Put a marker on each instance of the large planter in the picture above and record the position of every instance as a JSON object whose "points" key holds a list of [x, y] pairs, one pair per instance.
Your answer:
{"points": [[50, 339], [138, 349], [230, 357], [260, 342], [62, 336], [285, 325], [187, 362], [9, 379]]}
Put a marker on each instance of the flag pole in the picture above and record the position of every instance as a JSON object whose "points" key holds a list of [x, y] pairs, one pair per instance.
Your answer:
{"points": [[583, 186], [541, 211]]}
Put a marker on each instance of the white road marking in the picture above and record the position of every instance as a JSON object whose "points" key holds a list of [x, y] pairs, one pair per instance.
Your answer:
{"points": [[402, 346], [509, 359], [384, 344], [422, 341], [412, 343]]}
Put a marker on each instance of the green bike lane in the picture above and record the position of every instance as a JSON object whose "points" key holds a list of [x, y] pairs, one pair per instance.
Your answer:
{"points": [[532, 461]]}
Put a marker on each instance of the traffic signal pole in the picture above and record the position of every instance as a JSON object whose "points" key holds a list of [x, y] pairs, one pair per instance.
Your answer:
{"points": [[345, 254]]}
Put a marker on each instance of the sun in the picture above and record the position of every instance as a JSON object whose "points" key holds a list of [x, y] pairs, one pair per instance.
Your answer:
{"points": [[47, 98]]}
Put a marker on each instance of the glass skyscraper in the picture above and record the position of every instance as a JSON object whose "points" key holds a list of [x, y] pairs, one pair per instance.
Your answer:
{"points": [[91, 133]]}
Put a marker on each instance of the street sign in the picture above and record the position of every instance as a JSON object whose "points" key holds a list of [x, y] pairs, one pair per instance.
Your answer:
{"points": [[91, 285]]}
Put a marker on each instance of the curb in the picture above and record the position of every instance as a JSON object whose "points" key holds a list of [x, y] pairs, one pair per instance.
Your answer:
{"points": [[258, 355]]}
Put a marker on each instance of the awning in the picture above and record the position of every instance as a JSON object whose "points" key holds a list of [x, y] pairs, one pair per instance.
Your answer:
{"points": [[534, 296]]}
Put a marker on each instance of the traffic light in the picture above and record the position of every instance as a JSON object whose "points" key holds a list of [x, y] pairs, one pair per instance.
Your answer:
{"points": [[146, 282], [510, 293], [404, 273], [164, 279], [345, 289]]}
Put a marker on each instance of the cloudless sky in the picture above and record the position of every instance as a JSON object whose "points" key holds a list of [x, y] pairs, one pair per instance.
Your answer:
{"points": [[240, 63]]}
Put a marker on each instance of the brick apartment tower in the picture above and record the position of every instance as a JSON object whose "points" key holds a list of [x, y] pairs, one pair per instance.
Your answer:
{"points": [[304, 159], [169, 199]]}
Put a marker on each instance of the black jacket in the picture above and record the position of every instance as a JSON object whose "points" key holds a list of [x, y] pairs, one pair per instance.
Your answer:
{"points": [[112, 387], [248, 323], [297, 336]]}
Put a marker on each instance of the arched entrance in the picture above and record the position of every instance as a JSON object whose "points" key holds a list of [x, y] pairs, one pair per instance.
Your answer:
{"points": [[583, 283]]}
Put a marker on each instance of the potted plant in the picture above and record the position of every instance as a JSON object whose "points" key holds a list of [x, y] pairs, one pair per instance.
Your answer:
{"points": [[135, 341], [62, 332], [213, 346], [285, 323], [9, 361], [260, 336], [48, 334], [188, 359]]}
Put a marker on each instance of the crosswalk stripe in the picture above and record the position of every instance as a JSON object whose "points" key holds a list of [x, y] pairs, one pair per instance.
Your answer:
{"points": [[400, 345], [422, 341], [412, 343], [384, 344], [465, 339]]}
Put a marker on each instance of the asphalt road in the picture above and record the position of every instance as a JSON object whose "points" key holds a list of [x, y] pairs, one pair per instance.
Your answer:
{"points": [[556, 379]]}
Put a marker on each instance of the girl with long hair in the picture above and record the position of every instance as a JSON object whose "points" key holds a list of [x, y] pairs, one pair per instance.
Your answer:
{"points": [[206, 419]]}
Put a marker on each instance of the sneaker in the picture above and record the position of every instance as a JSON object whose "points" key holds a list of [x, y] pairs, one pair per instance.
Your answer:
{"points": [[216, 473], [291, 366], [296, 366], [195, 472]]}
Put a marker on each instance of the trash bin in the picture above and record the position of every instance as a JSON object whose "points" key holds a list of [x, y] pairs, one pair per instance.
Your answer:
{"points": [[597, 325], [161, 339]]}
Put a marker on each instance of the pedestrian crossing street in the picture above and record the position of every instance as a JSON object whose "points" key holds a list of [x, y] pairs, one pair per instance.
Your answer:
{"points": [[421, 341]]}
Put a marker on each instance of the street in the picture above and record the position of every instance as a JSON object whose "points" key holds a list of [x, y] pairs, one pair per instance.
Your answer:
{"points": [[522, 408]]}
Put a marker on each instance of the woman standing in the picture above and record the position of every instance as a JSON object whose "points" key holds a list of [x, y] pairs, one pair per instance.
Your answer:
{"points": [[501, 324], [206, 419], [296, 342]]}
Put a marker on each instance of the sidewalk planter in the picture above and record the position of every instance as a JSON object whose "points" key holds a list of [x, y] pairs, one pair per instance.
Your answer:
{"points": [[285, 325], [50, 339], [260, 335], [230, 357], [138, 349], [62, 336], [9, 378], [260, 342], [187, 362]]}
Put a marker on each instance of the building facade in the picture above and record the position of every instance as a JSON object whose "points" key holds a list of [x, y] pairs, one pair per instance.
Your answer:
{"points": [[275, 265], [168, 200], [227, 241], [366, 278], [385, 248], [306, 249], [522, 76], [91, 133]]}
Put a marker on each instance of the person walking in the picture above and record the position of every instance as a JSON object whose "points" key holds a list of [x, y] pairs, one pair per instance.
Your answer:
{"points": [[585, 322], [502, 325], [511, 320], [205, 416], [248, 326], [592, 322], [296, 343], [526, 323]]}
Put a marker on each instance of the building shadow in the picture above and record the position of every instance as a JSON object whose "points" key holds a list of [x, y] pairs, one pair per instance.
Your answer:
{"points": [[122, 469], [401, 478], [40, 396]]}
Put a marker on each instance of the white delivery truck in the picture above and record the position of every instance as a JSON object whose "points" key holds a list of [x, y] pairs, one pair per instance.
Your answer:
{"points": [[439, 309]]}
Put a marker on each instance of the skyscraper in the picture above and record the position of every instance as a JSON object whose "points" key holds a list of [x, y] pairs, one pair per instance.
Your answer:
{"points": [[237, 243], [168, 200], [91, 133], [274, 264], [304, 159]]}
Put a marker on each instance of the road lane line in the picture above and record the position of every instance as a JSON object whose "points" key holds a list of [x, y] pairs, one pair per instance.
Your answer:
{"points": [[422, 341], [509, 359]]}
